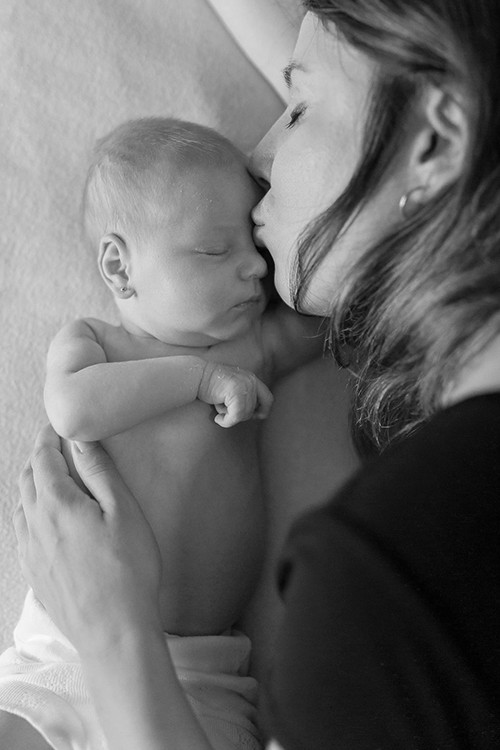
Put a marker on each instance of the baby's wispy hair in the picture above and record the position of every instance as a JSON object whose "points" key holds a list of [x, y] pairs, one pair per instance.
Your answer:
{"points": [[126, 179]]}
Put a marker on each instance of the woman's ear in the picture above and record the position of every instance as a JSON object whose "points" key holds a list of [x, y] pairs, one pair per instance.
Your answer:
{"points": [[113, 261], [439, 144]]}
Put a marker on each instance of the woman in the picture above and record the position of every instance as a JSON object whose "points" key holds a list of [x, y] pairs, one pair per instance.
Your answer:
{"points": [[382, 212]]}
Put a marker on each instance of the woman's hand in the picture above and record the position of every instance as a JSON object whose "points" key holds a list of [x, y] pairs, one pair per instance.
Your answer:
{"points": [[92, 561]]}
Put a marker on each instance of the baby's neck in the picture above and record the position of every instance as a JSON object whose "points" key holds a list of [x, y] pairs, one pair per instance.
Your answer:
{"points": [[146, 340]]}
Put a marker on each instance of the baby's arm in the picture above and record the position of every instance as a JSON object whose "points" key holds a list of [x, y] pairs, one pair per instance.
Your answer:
{"points": [[89, 398], [291, 339]]}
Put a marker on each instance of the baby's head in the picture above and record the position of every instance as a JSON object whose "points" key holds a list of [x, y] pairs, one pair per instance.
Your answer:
{"points": [[167, 203], [135, 166]]}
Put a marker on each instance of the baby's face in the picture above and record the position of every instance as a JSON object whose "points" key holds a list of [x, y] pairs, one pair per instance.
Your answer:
{"points": [[197, 278]]}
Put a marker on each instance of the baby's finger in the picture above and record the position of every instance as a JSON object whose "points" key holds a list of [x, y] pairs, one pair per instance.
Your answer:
{"points": [[235, 413], [238, 409], [264, 400], [223, 420]]}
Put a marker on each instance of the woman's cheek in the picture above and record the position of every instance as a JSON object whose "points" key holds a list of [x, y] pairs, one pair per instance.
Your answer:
{"points": [[305, 185]]}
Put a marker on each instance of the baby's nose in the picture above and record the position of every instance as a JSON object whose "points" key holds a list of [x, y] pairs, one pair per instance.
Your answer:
{"points": [[254, 266], [259, 266]]}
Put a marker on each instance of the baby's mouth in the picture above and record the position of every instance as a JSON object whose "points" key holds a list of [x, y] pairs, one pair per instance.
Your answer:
{"points": [[250, 302]]}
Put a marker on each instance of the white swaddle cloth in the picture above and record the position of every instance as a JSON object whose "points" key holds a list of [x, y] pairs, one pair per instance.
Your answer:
{"points": [[41, 680]]}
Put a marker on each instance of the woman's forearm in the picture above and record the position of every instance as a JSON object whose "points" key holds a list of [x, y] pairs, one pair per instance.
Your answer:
{"points": [[138, 697]]}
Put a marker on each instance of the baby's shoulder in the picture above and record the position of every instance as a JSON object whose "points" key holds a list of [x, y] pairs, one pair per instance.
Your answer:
{"points": [[86, 330], [86, 327]]}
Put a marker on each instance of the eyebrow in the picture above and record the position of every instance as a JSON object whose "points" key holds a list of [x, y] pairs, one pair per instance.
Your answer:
{"points": [[288, 70]]}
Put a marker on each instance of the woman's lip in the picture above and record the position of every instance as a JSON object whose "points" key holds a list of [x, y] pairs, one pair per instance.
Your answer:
{"points": [[256, 218], [257, 231]]}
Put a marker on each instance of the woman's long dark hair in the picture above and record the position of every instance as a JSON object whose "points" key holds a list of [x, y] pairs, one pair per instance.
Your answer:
{"points": [[426, 295]]}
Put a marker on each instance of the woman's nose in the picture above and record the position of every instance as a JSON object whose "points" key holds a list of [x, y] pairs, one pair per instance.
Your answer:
{"points": [[260, 162]]}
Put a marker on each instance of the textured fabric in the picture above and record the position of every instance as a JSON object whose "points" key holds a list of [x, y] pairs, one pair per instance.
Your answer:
{"points": [[392, 596], [41, 680]]}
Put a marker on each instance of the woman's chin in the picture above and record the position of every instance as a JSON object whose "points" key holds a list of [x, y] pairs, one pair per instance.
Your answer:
{"points": [[284, 292], [315, 306], [319, 309]]}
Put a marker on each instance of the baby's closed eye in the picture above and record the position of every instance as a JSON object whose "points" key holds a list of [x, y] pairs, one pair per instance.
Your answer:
{"points": [[212, 250]]}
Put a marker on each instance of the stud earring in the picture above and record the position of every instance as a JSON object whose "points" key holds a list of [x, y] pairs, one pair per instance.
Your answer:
{"points": [[408, 206], [124, 292]]}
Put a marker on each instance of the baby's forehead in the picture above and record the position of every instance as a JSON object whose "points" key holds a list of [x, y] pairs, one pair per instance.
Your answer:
{"points": [[195, 176], [206, 197], [208, 160]]}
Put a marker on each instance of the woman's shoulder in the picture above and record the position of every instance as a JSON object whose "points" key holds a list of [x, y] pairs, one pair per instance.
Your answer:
{"points": [[452, 453], [424, 500], [394, 585]]}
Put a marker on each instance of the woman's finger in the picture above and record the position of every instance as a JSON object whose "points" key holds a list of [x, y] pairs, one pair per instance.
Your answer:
{"points": [[27, 486], [100, 476], [47, 462], [22, 535], [47, 437], [47, 440], [264, 400], [20, 526]]}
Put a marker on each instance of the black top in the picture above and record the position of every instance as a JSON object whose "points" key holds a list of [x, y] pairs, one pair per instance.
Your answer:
{"points": [[391, 637]]}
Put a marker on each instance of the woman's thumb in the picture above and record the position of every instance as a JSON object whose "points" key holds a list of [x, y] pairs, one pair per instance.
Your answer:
{"points": [[98, 473]]}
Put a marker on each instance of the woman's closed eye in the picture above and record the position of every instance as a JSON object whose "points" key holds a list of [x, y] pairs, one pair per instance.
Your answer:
{"points": [[295, 114]]}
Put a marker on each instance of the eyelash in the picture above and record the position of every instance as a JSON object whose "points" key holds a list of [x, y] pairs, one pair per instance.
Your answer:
{"points": [[294, 115]]}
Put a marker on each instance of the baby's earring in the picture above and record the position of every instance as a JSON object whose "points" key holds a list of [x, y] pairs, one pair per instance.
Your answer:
{"points": [[125, 292]]}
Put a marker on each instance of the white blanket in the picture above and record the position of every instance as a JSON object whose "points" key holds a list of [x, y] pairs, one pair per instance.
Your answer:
{"points": [[41, 680]]}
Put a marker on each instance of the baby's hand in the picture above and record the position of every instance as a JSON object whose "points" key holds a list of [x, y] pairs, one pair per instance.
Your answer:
{"points": [[236, 394]]}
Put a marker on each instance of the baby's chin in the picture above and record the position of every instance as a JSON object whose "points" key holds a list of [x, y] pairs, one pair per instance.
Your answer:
{"points": [[245, 324]]}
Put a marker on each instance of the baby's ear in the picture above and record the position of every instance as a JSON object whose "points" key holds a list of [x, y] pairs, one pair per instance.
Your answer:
{"points": [[113, 262]]}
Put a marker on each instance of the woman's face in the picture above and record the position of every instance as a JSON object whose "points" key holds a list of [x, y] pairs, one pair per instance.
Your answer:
{"points": [[309, 156]]}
